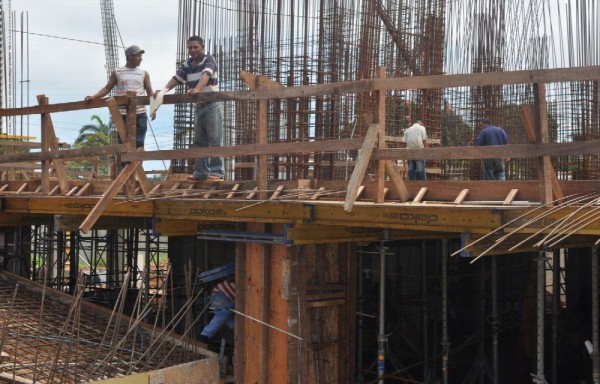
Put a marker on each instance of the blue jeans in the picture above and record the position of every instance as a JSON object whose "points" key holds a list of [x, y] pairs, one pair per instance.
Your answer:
{"points": [[208, 132], [416, 170], [220, 305], [493, 169], [141, 126]]}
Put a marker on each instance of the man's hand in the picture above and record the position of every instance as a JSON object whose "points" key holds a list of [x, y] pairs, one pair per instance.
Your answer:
{"points": [[193, 91], [89, 98]]}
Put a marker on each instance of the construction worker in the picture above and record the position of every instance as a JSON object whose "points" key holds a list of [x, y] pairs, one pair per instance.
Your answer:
{"points": [[130, 78], [493, 169], [416, 137], [222, 300], [199, 72]]}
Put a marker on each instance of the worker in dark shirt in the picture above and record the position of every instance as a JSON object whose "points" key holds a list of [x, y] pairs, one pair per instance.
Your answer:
{"points": [[493, 169]]}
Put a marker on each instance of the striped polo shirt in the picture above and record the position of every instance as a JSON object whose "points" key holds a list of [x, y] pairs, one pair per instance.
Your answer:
{"points": [[190, 73]]}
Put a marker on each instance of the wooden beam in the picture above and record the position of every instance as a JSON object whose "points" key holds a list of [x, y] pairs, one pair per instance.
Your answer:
{"points": [[380, 170], [248, 150], [122, 131], [65, 154], [53, 147], [362, 162], [397, 83], [107, 196], [510, 197], [591, 147], [420, 195], [547, 174], [397, 181], [461, 196], [528, 119]]}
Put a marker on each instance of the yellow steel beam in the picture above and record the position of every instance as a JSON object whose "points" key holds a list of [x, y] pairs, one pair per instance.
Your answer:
{"points": [[562, 218], [315, 233], [171, 227], [422, 218], [76, 206], [226, 210]]}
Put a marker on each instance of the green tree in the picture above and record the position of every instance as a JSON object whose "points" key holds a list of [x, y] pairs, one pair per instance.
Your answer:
{"points": [[95, 134]]}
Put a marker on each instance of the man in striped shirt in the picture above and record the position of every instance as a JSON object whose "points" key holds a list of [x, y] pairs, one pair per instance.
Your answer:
{"points": [[200, 74], [222, 300]]}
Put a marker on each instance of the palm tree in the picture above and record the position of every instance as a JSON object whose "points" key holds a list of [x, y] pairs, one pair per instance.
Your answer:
{"points": [[95, 134]]}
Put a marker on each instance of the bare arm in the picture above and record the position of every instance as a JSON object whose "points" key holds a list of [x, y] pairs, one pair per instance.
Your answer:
{"points": [[170, 85], [148, 85], [201, 84], [112, 81]]}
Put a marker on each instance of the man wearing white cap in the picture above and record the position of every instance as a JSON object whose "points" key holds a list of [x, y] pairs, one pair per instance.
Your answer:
{"points": [[130, 78]]}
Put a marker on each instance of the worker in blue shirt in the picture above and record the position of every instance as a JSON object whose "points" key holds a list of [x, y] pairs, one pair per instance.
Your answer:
{"points": [[493, 169]]}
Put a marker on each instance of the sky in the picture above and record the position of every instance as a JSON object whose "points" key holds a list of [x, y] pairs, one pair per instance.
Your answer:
{"points": [[71, 65]]}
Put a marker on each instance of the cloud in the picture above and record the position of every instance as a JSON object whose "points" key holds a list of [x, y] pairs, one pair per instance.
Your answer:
{"points": [[70, 67]]}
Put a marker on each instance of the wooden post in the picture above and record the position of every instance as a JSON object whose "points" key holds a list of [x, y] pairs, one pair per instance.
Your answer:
{"points": [[380, 173], [261, 128], [50, 144], [545, 169], [122, 131], [45, 182], [131, 137]]}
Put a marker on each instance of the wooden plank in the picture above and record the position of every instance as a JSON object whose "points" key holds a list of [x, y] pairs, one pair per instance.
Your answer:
{"points": [[22, 188], [360, 191], [510, 197], [316, 195], [122, 131], [248, 150], [257, 295], [52, 146], [277, 192], [207, 194], [84, 189], [261, 136], [233, 189], [278, 311], [252, 194], [72, 191], [380, 170], [545, 168], [591, 147], [528, 119], [155, 189], [461, 196], [397, 83], [362, 162], [54, 190], [397, 181], [107, 197], [66, 154], [420, 195]]}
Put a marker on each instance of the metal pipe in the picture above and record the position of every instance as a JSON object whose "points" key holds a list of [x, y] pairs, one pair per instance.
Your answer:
{"points": [[359, 342], [495, 319], [555, 312], [595, 354], [445, 342], [425, 309], [539, 299], [382, 338]]}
